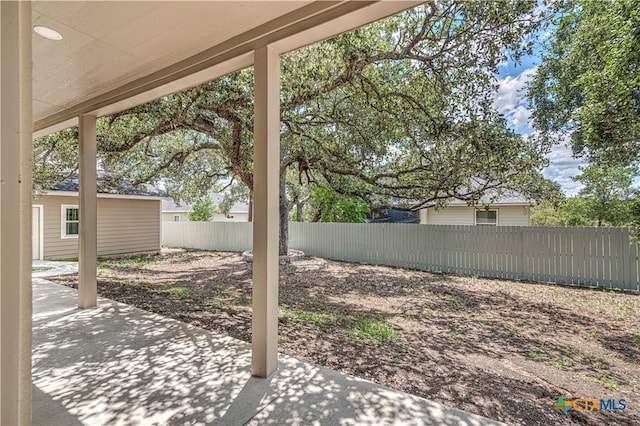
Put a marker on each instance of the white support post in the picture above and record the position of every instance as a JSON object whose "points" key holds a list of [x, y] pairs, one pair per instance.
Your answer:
{"points": [[88, 229], [266, 224], [15, 213]]}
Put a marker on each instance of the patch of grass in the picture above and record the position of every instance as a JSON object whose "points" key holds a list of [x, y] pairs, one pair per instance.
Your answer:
{"points": [[593, 331], [179, 292], [229, 293], [600, 377], [453, 334], [586, 378], [140, 260], [532, 354], [214, 301], [132, 283], [406, 315], [607, 381], [34, 270], [559, 363], [306, 316], [377, 330]]}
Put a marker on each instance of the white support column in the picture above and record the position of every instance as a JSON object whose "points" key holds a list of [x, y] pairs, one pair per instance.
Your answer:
{"points": [[266, 224], [88, 230], [15, 213]]}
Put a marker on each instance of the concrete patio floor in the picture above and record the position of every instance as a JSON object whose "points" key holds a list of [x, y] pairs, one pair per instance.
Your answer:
{"points": [[119, 365]]}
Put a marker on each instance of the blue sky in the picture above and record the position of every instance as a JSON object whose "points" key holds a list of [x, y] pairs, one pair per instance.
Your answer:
{"points": [[511, 101]]}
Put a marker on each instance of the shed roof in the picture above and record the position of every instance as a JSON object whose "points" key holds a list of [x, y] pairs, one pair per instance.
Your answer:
{"points": [[110, 184]]}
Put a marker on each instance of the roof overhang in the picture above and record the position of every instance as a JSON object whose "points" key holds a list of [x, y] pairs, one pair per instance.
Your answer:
{"points": [[116, 55]]}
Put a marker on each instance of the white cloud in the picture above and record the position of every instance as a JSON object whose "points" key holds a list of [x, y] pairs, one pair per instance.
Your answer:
{"points": [[563, 167], [520, 117], [511, 100]]}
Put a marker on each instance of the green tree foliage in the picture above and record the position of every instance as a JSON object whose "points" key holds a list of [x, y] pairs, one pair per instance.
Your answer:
{"points": [[634, 211], [607, 198], [202, 210], [569, 212], [588, 84], [398, 112], [326, 206], [233, 192], [607, 193]]}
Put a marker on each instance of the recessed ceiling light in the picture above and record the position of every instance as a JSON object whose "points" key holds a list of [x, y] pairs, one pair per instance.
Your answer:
{"points": [[47, 32]]}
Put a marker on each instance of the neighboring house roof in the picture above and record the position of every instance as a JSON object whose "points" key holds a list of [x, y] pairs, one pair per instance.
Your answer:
{"points": [[170, 206], [507, 197], [109, 184]]}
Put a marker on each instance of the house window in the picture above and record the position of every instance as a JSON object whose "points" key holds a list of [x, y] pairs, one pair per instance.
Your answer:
{"points": [[70, 222], [176, 218], [486, 217], [230, 217]]}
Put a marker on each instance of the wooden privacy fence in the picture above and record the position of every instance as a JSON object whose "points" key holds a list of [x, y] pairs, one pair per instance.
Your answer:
{"points": [[232, 236], [602, 257]]}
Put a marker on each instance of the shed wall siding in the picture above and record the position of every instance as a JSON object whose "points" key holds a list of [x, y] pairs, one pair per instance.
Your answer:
{"points": [[125, 226], [54, 246]]}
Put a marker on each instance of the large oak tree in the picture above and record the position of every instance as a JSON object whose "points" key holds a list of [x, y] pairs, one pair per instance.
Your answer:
{"points": [[398, 112]]}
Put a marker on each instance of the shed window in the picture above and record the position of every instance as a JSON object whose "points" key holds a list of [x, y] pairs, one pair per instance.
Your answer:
{"points": [[70, 221], [176, 218], [486, 217]]}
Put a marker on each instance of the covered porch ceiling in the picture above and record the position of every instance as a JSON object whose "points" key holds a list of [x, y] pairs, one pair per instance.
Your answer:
{"points": [[115, 55]]}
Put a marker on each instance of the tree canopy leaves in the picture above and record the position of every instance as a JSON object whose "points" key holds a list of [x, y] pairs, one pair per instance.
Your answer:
{"points": [[607, 193], [202, 210], [398, 112], [588, 84]]}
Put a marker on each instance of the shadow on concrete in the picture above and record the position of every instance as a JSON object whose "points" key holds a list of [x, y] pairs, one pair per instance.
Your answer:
{"points": [[117, 364]]}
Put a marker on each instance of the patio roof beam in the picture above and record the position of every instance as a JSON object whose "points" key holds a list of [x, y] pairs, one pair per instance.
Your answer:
{"points": [[15, 213], [88, 213], [266, 221]]}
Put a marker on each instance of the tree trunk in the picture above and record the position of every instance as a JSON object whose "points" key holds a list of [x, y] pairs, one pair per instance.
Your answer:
{"points": [[250, 206], [299, 206], [284, 217]]}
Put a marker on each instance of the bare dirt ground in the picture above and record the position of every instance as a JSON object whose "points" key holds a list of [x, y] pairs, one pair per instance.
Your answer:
{"points": [[505, 350]]}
